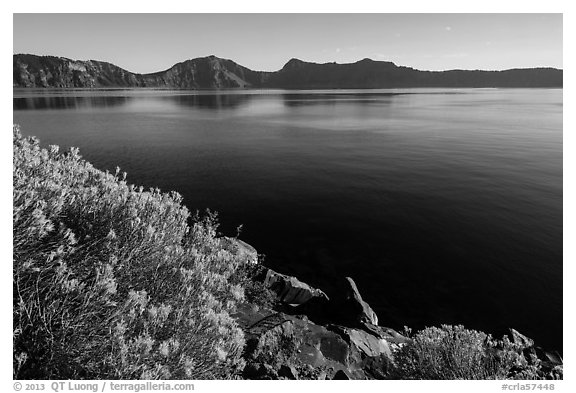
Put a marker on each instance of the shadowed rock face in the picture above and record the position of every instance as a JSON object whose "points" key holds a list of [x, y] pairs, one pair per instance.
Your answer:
{"points": [[365, 342], [357, 307], [368, 73], [290, 290], [520, 339], [292, 347], [203, 73], [345, 307], [311, 336], [215, 73], [206, 73], [60, 72], [285, 344]]}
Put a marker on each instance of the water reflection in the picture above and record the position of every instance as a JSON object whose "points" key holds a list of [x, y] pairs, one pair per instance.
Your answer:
{"points": [[60, 102], [217, 101], [298, 100], [211, 101]]}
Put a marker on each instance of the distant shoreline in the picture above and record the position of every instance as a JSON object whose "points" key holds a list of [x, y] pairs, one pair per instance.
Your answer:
{"points": [[31, 71]]}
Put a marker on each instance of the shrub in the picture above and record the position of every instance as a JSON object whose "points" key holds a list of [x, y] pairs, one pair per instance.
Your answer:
{"points": [[251, 278], [110, 281], [453, 352]]}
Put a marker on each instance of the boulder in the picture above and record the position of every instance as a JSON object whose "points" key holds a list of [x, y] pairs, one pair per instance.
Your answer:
{"points": [[318, 309], [365, 314], [369, 356], [554, 357], [348, 308], [367, 343], [239, 248], [276, 339], [291, 290], [521, 340], [309, 350]]}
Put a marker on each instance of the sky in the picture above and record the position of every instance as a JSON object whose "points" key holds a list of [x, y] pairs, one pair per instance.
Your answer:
{"points": [[145, 43]]}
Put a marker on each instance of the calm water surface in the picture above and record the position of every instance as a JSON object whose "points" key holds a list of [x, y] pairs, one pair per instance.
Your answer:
{"points": [[445, 206]]}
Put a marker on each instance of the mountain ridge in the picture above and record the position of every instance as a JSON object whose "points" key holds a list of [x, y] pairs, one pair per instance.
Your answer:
{"points": [[212, 72]]}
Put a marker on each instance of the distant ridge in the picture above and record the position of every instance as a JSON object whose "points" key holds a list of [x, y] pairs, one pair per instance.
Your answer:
{"points": [[212, 72]]}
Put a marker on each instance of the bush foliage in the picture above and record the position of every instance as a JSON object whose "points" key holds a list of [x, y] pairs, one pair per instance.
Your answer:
{"points": [[453, 352], [111, 281]]}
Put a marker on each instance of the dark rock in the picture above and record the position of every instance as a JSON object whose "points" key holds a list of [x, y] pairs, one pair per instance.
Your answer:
{"points": [[291, 290], [364, 312], [370, 357], [367, 343], [313, 351], [333, 347], [281, 339], [370, 345], [348, 308], [551, 363], [521, 340], [554, 357], [320, 347], [341, 375], [288, 372], [318, 309], [548, 356]]}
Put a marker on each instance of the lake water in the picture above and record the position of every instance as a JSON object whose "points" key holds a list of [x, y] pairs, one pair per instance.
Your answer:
{"points": [[444, 205]]}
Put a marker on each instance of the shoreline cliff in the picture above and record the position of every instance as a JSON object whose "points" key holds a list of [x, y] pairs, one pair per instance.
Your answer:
{"points": [[342, 337], [211, 72]]}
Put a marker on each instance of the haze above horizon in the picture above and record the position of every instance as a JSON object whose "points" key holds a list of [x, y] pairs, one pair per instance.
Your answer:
{"points": [[145, 43]]}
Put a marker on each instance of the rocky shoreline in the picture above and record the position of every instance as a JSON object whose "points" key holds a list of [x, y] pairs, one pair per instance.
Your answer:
{"points": [[305, 334]]}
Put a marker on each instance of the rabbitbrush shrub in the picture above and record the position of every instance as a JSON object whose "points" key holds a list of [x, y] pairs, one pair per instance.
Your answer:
{"points": [[110, 281], [453, 352]]}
